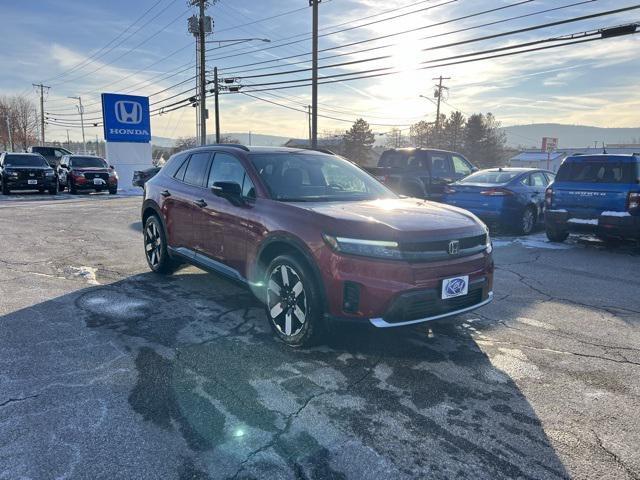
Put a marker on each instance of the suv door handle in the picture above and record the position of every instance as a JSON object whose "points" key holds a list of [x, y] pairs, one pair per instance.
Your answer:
{"points": [[165, 193], [201, 203]]}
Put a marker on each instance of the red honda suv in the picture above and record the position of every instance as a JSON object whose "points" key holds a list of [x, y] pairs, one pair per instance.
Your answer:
{"points": [[316, 238]]}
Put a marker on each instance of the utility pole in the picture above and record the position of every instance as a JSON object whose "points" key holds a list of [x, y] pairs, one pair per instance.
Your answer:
{"points": [[216, 85], [314, 76], [438, 95], [68, 141], [41, 87], [199, 26], [81, 112], [309, 118]]}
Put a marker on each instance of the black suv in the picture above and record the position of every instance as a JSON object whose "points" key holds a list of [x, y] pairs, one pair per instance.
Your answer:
{"points": [[52, 155], [26, 171], [86, 172]]}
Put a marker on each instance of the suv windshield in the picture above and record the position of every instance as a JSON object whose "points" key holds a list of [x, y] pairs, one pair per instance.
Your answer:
{"points": [[88, 162], [495, 177], [25, 161], [601, 171], [313, 177]]}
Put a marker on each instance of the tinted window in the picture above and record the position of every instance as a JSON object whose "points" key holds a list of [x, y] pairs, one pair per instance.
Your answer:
{"points": [[248, 189], [460, 165], [226, 168], [179, 175], [439, 165], [315, 177], [496, 177], [538, 180], [197, 168], [596, 172], [88, 162], [25, 161]]}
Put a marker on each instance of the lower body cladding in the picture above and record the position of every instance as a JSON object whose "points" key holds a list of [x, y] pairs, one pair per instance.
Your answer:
{"points": [[395, 294], [607, 224], [31, 184]]}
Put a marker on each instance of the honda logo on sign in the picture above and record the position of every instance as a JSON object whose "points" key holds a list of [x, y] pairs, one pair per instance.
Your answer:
{"points": [[454, 247], [128, 112]]}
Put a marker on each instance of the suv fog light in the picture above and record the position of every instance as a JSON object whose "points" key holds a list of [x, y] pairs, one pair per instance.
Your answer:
{"points": [[351, 297]]}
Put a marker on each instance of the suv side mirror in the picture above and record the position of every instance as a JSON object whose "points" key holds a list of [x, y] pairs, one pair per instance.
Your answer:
{"points": [[112, 167], [232, 191]]}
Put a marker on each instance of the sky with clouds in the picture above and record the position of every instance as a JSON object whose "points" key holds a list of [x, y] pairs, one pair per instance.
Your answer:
{"points": [[142, 47]]}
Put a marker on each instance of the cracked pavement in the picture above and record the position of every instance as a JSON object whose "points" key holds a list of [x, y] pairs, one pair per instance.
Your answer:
{"points": [[108, 371]]}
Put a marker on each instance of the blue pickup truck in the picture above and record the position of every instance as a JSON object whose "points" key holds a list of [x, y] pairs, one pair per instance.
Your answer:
{"points": [[596, 194]]}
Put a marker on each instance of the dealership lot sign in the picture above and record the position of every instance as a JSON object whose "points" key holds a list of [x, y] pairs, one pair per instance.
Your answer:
{"points": [[126, 118]]}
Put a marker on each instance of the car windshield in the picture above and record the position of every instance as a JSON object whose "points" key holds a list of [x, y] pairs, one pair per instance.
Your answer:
{"points": [[492, 177], [88, 162], [596, 172], [25, 161], [315, 177]]}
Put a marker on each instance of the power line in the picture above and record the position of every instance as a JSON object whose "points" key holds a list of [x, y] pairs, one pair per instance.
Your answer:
{"points": [[390, 45]]}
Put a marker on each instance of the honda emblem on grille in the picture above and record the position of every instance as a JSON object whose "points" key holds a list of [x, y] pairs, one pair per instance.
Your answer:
{"points": [[454, 247], [32, 174]]}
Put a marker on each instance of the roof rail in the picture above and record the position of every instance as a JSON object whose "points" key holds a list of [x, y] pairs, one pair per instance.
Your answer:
{"points": [[234, 145], [323, 150]]}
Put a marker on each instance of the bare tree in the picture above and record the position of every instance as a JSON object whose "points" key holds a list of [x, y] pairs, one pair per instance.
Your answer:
{"points": [[24, 121]]}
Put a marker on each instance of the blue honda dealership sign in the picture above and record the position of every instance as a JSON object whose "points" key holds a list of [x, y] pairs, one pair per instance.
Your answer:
{"points": [[126, 118]]}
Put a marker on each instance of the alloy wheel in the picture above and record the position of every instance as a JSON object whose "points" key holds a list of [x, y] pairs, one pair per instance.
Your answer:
{"points": [[528, 221], [152, 244], [286, 300]]}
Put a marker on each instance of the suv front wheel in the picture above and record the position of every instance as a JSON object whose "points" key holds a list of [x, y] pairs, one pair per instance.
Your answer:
{"points": [[155, 247], [293, 303]]}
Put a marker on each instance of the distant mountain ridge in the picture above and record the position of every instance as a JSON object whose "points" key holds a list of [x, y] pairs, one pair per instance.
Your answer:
{"points": [[569, 136], [524, 136]]}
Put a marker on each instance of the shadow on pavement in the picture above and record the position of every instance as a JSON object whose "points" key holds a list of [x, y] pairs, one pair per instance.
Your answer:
{"points": [[214, 394]]}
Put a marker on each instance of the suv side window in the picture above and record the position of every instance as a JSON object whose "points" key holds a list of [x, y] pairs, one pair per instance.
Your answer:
{"points": [[440, 165], [179, 175], [461, 166], [226, 168], [196, 171]]}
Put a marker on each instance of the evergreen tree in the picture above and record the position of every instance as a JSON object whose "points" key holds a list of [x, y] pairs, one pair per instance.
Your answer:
{"points": [[358, 141], [453, 131], [421, 134], [484, 143]]}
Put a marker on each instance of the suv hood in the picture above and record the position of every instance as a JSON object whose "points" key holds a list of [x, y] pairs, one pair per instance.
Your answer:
{"points": [[398, 216]]}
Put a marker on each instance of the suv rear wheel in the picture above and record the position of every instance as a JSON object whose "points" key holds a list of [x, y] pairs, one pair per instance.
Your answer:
{"points": [[528, 221], [155, 247], [293, 302]]}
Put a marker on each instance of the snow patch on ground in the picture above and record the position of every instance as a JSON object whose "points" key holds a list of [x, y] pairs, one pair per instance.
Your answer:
{"points": [[539, 240], [87, 273]]}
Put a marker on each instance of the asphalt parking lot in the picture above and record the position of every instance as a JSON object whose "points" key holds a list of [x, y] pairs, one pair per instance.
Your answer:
{"points": [[110, 372]]}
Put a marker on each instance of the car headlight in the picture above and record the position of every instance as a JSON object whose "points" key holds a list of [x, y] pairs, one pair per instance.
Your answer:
{"points": [[12, 173], [364, 248], [49, 174], [489, 243]]}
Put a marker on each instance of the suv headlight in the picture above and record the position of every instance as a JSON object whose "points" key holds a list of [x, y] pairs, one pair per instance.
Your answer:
{"points": [[11, 173], [489, 243], [49, 174], [364, 248]]}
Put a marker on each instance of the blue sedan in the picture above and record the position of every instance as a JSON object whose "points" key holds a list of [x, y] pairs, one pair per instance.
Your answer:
{"points": [[510, 198]]}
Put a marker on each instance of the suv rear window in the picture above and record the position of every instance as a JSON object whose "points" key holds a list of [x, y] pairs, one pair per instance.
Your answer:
{"points": [[597, 172], [87, 162]]}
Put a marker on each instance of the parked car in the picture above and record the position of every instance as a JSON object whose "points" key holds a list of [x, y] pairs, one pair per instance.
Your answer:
{"points": [[140, 177], [85, 172], [420, 173], [595, 193], [26, 171], [510, 198], [315, 238], [52, 155]]}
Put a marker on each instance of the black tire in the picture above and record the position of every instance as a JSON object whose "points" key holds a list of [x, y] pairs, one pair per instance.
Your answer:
{"points": [[113, 191], [5, 189], [54, 190], [293, 302], [155, 247], [528, 221], [72, 188], [556, 235]]}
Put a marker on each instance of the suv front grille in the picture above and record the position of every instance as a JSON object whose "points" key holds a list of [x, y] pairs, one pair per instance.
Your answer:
{"points": [[428, 304], [439, 249]]}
